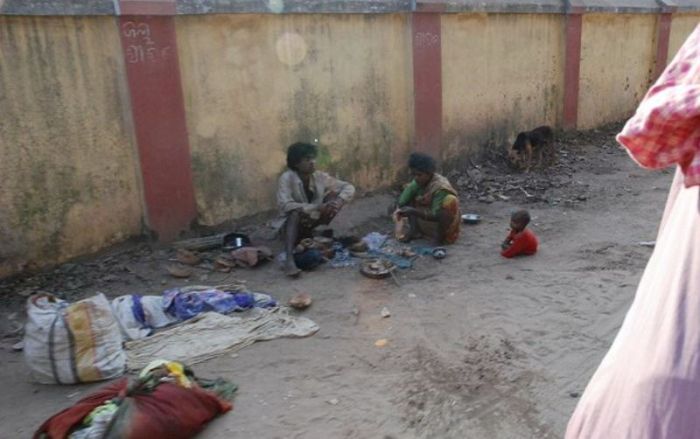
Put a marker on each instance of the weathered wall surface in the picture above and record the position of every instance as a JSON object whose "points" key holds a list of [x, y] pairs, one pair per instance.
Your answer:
{"points": [[617, 58], [68, 165], [254, 84], [502, 73], [681, 27]]}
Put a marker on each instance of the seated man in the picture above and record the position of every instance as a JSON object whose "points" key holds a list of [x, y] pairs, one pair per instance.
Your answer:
{"points": [[430, 203], [306, 198]]}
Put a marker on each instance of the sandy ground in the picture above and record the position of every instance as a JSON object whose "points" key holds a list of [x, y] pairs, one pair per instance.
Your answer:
{"points": [[478, 346]]}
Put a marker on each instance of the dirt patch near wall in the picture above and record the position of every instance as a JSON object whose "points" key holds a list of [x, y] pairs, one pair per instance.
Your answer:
{"points": [[493, 178]]}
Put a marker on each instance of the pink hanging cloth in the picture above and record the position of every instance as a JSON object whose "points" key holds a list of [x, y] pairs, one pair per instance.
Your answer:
{"points": [[648, 384]]}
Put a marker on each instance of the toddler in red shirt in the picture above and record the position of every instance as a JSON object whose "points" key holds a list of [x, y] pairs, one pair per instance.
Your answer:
{"points": [[520, 240]]}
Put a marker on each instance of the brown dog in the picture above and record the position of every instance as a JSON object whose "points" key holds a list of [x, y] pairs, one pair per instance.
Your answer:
{"points": [[538, 142]]}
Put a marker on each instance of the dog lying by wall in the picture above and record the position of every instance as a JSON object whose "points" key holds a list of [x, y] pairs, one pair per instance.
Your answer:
{"points": [[536, 144]]}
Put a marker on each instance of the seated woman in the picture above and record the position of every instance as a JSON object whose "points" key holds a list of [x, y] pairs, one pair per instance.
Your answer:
{"points": [[430, 203], [306, 198]]}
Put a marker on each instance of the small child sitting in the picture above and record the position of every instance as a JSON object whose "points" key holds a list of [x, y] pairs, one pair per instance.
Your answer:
{"points": [[520, 240]]}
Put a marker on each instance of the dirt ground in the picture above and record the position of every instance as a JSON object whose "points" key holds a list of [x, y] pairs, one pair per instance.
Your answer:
{"points": [[478, 346]]}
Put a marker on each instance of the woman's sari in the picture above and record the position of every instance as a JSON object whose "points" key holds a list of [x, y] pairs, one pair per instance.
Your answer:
{"points": [[437, 195]]}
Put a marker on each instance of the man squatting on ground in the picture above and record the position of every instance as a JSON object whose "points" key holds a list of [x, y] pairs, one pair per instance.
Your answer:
{"points": [[306, 198], [430, 203]]}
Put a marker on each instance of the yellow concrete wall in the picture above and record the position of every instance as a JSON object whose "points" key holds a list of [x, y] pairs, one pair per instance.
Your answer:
{"points": [[681, 27], [617, 58], [501, 73], [254, 84], [69, 171]]}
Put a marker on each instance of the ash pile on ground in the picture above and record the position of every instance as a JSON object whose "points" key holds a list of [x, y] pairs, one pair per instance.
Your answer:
{"points": [[492, 177], [443, 396]]}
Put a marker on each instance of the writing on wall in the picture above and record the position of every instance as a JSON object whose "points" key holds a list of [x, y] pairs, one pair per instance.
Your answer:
{"points": [[141, 45]]}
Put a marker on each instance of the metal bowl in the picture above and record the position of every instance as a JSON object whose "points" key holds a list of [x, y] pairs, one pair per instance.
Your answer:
{"points": [[439, 253], [377, 268], [471, 218]]}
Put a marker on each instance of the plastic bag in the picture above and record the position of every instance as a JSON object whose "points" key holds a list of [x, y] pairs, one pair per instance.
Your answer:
{"points": [[72, 343], [374, 240]]}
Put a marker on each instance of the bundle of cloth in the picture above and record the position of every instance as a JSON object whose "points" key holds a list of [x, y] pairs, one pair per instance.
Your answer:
{"points": [[187, 302], [139, 316], [166, 400]]}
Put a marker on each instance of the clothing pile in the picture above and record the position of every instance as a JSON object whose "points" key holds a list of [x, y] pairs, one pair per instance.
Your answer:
{"points": [[248, 257], [166, 400], [187, 302], [70, 343], [139, 316]]}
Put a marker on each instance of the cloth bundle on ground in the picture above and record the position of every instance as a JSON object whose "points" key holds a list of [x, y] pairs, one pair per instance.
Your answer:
{"points": [[308, 259], [165, 401], [139, 316], [210, 334], [72, 343], [187, 302], [251, 256], [342, 257], [312, 252]]}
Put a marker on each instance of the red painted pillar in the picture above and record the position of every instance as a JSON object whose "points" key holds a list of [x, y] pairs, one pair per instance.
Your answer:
{"points": [[147, 31], [663, 35], [572, 66], [427, 82]]}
